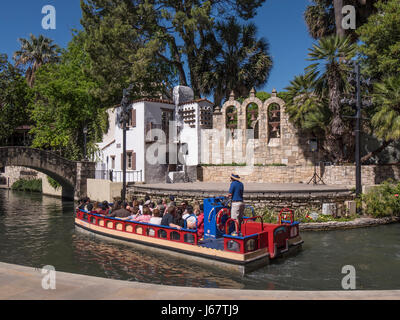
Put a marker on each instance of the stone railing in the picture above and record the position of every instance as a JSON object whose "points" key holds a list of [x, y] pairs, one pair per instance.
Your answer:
{"points": [[331, 175]]}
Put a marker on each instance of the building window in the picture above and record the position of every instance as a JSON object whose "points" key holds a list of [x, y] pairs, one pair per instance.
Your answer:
{"points": [[112, 162], [132, 118], [252, 118], [274, 121], [231, 118], [129, 159]]}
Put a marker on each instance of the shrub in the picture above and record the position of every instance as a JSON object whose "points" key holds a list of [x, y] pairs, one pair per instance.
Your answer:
{"points": [[53, 183], [32, 185], [383, 200]]}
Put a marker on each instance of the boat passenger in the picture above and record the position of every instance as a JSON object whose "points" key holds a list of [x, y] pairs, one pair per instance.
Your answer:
{"points": [[169, 218], [117, 205], [89, 207], [161, 206], [85, 201], [97, 207], [184, 205], [141, 203], [105, 208], [134, 213], [120, 213], [200, 222], [152, 206], [171, 204], [190, 220], [178, 217], [145, 217], [156, 217]]}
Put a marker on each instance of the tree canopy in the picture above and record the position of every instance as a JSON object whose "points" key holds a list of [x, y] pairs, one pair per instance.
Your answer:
{"points": [[380, 41], [161, 39], [15, 96], [64, 104], [34, 53], [234, 59]]}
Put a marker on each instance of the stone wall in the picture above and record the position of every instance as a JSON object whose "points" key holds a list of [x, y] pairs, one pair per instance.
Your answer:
{"points": [[100, 190], [14, 173], [265, 174], [259, 200], [285, 147], [331, 175], [370, 174]]}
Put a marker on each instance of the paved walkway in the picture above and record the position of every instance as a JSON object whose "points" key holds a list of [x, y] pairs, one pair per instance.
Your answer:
{"points": [[25, 283], [249, 187]]}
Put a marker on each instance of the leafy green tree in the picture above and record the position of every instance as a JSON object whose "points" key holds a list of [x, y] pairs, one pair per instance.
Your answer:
{"points": [[386, 120], [234, 59], [159, 33], [34, 53], [65, 103], [15, 97], [123, 46], [380, 36]]}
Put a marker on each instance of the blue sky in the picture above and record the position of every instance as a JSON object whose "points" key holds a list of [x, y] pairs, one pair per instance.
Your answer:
{"points": [[281, 22]]}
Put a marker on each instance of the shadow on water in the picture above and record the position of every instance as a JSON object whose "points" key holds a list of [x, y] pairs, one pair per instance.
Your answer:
{"points": [[37, 230]]}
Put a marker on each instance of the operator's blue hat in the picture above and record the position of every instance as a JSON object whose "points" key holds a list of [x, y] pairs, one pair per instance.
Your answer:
{"points": [[235, 177]]}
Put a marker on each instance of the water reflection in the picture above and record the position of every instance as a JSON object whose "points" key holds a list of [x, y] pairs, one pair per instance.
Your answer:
{"points": [[125, 262], [37, 230]]}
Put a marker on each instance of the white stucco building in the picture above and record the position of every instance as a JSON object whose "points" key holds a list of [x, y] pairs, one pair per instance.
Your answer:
{"points": [[151, 144]]}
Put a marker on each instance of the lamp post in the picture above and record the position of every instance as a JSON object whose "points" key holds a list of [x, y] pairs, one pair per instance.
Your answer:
{"points": [[85, 131], [357, 79], [124, 118]]}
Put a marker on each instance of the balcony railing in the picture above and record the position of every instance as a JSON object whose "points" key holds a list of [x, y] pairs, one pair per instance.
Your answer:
{"points": [[117, 176]]}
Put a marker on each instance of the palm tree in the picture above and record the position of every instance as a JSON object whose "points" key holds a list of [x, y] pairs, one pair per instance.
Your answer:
{"points": [[234, 60], [34, 53], [307, 110], [320, 19], [330, 75]]}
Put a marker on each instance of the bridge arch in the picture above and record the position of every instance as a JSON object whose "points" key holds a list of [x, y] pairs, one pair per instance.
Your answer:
{"points": [[72, 175]]}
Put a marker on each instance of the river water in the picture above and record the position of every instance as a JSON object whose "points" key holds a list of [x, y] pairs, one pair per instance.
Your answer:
{"points": [[37, 230]]}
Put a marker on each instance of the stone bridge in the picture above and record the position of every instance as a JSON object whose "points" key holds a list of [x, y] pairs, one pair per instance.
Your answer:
{"points": [[72, 175]]}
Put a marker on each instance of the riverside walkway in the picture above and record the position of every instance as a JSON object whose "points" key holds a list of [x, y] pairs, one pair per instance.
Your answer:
{"points": [[25, 283], [250, 187]]}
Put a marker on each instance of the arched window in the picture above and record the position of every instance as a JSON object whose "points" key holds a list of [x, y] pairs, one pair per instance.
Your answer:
{"points": [[274, 121], [231, 118], [252, 118]]}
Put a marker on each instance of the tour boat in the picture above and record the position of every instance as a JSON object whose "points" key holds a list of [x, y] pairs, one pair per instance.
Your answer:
{"points": [[222, 245]]}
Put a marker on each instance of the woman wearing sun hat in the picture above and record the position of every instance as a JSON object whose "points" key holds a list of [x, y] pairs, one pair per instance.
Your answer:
{"points": [[236, 194]]}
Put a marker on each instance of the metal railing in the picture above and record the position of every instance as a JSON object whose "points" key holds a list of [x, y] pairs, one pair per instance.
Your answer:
{"points": [[117, 176]]}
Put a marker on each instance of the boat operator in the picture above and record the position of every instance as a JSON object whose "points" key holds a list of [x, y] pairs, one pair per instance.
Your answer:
{"points": [[236, 194]]}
